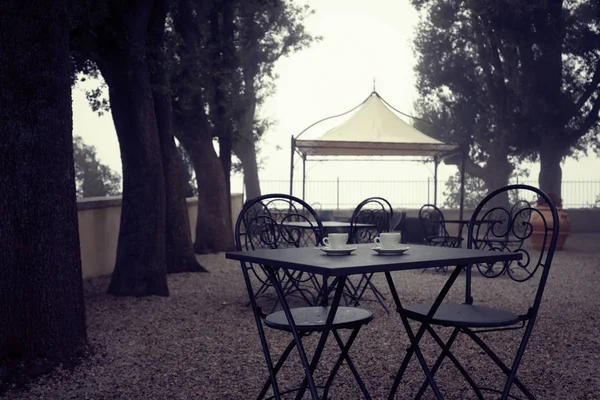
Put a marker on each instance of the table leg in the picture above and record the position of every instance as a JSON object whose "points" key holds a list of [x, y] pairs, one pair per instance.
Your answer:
{"points": [[415, 338]]}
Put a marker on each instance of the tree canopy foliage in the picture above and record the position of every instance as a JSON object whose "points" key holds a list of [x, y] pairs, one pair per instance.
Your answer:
{"points": [[475, 191], [218, 59], [222, 68], [92, 177], [513, 79], [188, 176], [224, 56]]}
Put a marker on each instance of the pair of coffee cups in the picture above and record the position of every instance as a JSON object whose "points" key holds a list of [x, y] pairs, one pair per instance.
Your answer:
{"points": [[385, 240]]}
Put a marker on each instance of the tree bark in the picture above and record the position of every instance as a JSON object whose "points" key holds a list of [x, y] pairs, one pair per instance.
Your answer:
{"points": [[222, 28], [42, 311], [245, 150], [496, 174], [213, 224], [140, 268], [550, 177], [214, 232], [179, 251], [244, 145]]}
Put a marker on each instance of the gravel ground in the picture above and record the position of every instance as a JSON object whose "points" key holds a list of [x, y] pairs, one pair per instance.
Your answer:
{"points": [[201, 342]]}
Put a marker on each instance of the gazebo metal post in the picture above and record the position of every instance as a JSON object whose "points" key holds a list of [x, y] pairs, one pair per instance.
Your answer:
{"points": [[292, 166], [462, 182], [303, 176], [436, 162]]}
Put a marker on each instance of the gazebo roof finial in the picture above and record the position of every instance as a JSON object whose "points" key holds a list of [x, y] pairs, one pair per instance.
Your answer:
{"points": [[374, 91]]}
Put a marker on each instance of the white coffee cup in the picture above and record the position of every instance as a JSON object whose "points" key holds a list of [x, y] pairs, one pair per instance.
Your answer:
{"points": [[388, 239], [336, 240]]}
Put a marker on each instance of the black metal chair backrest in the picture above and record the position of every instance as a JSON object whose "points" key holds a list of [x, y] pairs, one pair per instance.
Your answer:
{"points": [[504, 221], [433, 222], [277, 221], [375, 211]]}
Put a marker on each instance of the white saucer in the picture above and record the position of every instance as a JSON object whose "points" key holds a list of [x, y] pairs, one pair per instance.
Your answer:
{"points": [[398, 250], [338, 252]]}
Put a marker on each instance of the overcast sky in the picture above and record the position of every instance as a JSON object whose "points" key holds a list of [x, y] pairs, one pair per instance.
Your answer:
{"points": [[362, 41]]}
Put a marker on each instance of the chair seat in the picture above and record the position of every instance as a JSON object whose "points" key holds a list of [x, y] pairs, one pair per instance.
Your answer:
{"points": [[464, 315], [312, 319]]}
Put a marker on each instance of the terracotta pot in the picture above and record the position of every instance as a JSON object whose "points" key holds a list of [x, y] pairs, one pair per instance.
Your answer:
{"points": [[537, 236]]}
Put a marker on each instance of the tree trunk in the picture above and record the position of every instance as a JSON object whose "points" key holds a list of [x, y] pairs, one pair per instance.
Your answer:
{"points": [[222, 34], [180, 253], [213, 224], [550, 178], [496, 174], [497, 171], [245, 150], [214, 231], [140, 268], [42, 311], [225, 149]]}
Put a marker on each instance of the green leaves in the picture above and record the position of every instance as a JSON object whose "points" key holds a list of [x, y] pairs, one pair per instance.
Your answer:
{"points": [[92, 178], [508, 77]]}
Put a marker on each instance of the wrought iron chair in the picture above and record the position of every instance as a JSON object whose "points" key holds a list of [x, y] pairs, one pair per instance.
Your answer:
{"points": [[378, 212], [270, 221], [512, 230], [490, 233], [434, 226]]}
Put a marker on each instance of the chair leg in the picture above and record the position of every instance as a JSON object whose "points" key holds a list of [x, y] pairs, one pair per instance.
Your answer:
{"points": [[309, 368], [414, 349], [352, 291], [361, 288], [400, 373], [364, 284], [447, 353], [292, 285], [510, 373], [261, 335], [415, 338], [276, 369], [345, 356], [445, 350], [308, 380], [378, 296], [512, 377], [349, 294]]}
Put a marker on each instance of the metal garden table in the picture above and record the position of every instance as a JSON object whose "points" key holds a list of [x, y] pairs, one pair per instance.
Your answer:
{"points": [[329, 226], [364, 260]]}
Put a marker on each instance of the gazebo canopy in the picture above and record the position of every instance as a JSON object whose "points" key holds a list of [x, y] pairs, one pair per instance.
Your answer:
{"points": [[373, 130]]}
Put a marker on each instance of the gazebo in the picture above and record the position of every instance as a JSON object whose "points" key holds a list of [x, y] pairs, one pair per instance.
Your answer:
{"points": [[374, 129]]}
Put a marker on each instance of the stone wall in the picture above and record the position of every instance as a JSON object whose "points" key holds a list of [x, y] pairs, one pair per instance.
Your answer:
{"points": [[99, 220]]}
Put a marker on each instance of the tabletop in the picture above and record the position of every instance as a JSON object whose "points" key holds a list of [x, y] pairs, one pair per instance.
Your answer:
{"points": [[365, 260]]}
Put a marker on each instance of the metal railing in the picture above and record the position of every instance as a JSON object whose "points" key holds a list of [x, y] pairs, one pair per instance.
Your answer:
{"points": [[343, 194]]}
